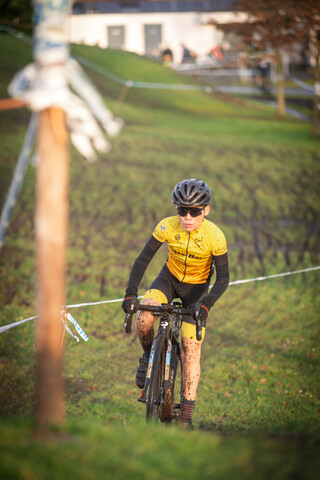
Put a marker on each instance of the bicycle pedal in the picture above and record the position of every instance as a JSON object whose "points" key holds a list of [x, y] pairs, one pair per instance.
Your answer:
{"points": [[142, 398]]}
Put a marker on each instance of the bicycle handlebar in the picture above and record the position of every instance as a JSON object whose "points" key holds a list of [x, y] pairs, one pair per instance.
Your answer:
{"points": [[159, 310], [165, 308]]}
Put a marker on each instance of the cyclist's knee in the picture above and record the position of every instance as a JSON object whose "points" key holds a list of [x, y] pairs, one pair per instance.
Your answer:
{"points": [[149, 301], [145, 320], [189, 332]]}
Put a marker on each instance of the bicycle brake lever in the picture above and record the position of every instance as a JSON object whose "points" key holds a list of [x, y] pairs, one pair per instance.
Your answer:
{"points": [[198, 328], [128, 322]]}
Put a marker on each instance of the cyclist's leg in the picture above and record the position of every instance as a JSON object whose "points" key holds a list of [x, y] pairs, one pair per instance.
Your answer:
{"points": [[190, 346], [145, 320], [190, 376], [190, 360], [190, 354], [160, 291]]}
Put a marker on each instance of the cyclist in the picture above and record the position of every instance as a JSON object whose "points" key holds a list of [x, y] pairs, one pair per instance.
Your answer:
{"points": [[196, 247]]}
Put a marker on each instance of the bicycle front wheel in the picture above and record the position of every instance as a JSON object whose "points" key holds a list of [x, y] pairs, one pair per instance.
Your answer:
{"points": [[171, 407], [155, 391]]}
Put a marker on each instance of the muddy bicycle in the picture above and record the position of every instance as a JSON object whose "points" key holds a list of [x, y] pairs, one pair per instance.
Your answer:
{"points": [[164, 367]]}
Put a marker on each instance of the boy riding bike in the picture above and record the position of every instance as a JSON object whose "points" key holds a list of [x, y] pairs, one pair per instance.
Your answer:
{"points": [[196, 247]]}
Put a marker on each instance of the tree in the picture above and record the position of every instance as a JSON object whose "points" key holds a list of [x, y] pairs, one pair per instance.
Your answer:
{"points": [[17, 12], [279, 27]]}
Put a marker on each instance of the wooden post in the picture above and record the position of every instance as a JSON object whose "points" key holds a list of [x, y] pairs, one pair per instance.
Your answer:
{"points": [[51, 231]]}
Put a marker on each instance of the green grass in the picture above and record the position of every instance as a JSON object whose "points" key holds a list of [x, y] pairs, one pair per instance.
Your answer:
{"points": [[258, 404], [85, 451]]}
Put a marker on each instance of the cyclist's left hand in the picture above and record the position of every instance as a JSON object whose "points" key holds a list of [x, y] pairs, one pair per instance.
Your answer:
{"points": [[200, 310], [130, 304]]}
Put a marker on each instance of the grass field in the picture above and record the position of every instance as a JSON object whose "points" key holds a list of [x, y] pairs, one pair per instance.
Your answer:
{"points": [[258, 405]]}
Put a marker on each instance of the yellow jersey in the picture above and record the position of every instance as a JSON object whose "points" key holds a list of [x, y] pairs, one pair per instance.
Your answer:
{"points": [[190, 253]]}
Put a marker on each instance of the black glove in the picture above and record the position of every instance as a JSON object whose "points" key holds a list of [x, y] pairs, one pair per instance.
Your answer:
{"points": [[200, 310], [130, 304]]}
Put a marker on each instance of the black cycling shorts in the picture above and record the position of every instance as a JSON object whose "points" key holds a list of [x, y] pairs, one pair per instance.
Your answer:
{"points": [[172, 289]]}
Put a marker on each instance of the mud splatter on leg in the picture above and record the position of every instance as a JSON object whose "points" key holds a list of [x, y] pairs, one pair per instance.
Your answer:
{"points": [[144, 323], [190, 359]]}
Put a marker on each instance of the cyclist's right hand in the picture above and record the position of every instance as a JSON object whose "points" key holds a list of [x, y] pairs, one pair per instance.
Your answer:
{"points": [[130, 304]]}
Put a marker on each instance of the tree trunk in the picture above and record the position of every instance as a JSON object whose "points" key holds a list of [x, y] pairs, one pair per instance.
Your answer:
{"points": [[280, 91], [316, 99], [51, 231]]}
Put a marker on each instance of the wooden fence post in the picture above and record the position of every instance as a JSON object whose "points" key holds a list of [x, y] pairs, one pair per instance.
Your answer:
{"points": [[51, 220]]}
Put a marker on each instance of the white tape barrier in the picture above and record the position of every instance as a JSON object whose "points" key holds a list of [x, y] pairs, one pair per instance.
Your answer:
{"points": [[18, 177], [134, 84], [130, 83], [112, 76], [78, 328], [65, 316], [16, 324], [305, 86]]}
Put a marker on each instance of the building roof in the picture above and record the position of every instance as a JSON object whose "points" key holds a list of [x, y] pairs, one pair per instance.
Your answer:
{"points": [[135, 6]]}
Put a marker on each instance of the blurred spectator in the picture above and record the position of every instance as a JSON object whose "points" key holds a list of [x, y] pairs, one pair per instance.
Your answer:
{"points": [[261, 76], [187, 55], [167, 57], [216, 52]]}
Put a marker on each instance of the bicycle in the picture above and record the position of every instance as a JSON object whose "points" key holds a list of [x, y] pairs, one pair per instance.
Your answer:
{"points": [[164, 362]]}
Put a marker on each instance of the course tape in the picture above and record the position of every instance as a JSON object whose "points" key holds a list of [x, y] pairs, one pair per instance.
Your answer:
{"points": [[19, 174], [301, 84], [133, 84], [116, 78], [65, 316], [84, 336]]}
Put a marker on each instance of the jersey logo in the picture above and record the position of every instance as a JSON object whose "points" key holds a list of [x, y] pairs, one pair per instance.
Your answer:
{"points": [[163, 227], [198, 241], [177, 237]]}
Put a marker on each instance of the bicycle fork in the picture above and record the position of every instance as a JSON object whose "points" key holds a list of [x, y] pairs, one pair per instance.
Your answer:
{"points": [[164, 387], [167, 371], [143, 396]]}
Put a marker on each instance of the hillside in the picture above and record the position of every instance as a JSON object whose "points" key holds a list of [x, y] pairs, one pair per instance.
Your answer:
{"points": [[259, 384]]}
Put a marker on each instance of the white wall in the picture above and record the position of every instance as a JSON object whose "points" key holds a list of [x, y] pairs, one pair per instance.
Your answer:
{"points": [[186, 27]]}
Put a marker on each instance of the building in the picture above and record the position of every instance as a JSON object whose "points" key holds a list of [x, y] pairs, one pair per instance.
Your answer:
{"points": [[147, 27]]}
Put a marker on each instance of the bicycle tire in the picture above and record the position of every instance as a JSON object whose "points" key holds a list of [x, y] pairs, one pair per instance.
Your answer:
{"points": [[168, 410], [156, 379]]}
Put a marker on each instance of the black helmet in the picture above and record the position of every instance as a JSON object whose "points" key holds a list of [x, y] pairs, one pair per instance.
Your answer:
{"points": [[191, 193]]}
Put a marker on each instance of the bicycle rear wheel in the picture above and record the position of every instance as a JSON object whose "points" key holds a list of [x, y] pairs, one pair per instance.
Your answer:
{"points": [[156, 379]]}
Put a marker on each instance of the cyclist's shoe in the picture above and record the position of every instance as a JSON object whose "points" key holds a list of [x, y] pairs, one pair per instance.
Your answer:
{"points": [[186, 424], [142, 371]]}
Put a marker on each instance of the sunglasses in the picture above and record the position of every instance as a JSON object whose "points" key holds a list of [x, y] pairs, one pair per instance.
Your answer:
{"points": [[194, 212]]}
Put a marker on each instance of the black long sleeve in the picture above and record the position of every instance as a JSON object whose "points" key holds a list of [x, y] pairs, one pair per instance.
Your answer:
{"points": [[140, 265], [222, 280]]}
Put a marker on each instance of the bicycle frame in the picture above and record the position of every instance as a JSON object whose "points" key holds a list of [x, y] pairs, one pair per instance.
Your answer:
{"points": [[169, 328], [160, 380]]}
